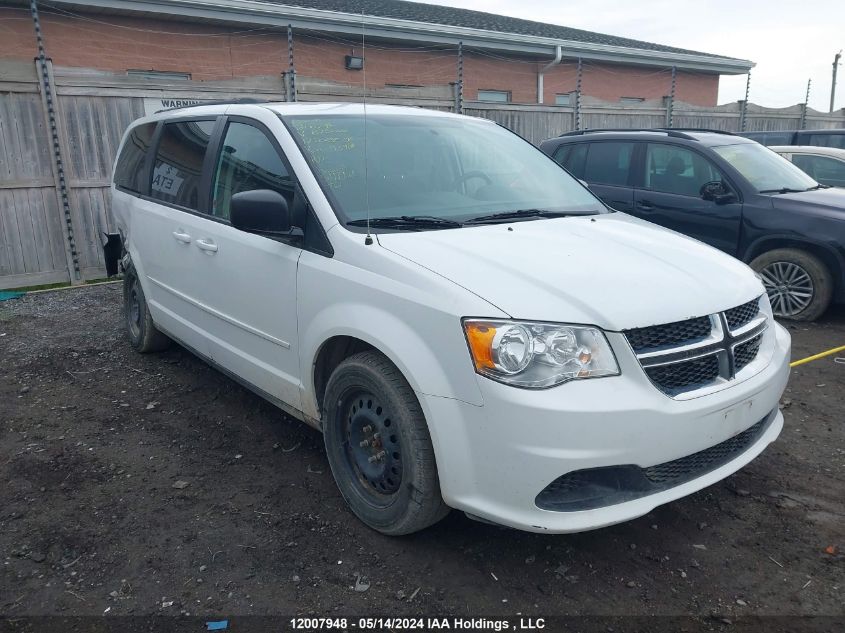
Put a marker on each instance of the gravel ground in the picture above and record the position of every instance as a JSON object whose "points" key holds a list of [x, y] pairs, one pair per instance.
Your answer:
{"points": [[138, 485]]}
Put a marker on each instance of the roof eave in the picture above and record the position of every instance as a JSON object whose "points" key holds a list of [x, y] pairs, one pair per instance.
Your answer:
{"points": [[262, 13]]}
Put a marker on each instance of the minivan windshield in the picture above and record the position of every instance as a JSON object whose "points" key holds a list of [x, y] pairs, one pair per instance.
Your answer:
{"points": [[767, 171], [433, 171]]}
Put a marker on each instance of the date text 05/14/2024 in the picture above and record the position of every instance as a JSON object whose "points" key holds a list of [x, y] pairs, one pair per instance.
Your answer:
{"points": [[420, 624]]}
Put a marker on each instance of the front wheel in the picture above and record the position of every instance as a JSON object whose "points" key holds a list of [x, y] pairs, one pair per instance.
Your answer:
{"points": [[379, 447], [799, 285]]}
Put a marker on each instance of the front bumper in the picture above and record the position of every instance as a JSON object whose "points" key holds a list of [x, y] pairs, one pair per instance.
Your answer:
{"points": [[495, 459]]}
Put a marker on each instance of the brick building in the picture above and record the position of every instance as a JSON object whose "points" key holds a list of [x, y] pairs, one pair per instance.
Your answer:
{"points": [[408, 45]]}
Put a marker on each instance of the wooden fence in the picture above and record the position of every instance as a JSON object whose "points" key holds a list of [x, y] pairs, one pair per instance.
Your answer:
{"points": [[40, 245]]}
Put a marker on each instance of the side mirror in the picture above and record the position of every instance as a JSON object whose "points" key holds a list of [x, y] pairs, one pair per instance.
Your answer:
{"points": [[716, 191], [260, 211]]}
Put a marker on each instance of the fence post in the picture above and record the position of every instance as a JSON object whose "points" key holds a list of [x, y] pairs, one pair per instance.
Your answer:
{"points": [[46, 83], [670, 102], [459, 85], [578, 95], [804, 106], [743, 112], [291, 75]]}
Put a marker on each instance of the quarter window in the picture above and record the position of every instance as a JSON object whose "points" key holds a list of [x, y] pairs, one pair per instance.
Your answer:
{"points": [[178, 165], [608, 163], [129, 170], [248, 161], [677, 170]]}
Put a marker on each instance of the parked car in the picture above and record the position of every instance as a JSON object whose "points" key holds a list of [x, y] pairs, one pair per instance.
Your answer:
{"points": [[468, 325], [824, 164], [822, 138], [726, 191]]}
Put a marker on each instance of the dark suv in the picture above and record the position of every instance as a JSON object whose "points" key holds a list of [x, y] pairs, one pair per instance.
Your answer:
{"points": [[729, 192], [822, 138]]}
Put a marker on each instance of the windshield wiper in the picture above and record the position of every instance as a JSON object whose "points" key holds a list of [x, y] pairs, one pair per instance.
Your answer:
{"points": [[409, 222], [782, 190], [504, 216], [818, 186]]}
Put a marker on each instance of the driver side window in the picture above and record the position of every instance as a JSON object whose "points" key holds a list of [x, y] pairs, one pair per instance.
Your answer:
{"points": [[677, 170], [248, 161]]}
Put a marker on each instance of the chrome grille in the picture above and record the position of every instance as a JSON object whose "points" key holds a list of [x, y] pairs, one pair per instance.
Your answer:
{"points": [[740, 315], [655, 337], [685, 356], [685, 375], [745, 352]]}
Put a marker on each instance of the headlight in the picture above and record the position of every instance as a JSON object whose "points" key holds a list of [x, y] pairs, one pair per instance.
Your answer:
{"points": [[536, 355]]}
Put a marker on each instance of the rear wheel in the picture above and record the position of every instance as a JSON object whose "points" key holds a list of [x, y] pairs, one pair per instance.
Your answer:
{"points": [[142, 332], [379, 447], [799, 285]]}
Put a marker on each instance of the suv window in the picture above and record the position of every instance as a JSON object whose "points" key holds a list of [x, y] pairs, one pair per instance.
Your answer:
{"points": [[178, 164], [248, 161], [572, 157], [673, 169], [129, 170], [827, 140], [608, 163], [826, 170]]}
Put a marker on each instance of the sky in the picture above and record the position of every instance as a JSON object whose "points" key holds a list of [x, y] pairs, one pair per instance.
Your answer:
{"points": [[789, 41]]}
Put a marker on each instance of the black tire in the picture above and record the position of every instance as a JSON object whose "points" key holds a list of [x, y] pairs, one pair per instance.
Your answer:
{"points": [[799, 285], [142, 332], [398, 492]]}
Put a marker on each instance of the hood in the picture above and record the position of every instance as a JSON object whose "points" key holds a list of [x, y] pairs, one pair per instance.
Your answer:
{"points": [[613, 271], [824, 200]]}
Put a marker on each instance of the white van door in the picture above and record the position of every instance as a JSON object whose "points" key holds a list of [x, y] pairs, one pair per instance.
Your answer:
{"points": [[246, 283]]}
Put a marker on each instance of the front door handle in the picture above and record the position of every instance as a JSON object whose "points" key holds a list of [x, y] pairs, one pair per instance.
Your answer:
{"points": [[181, 236], [206, 245], [645, 205]]}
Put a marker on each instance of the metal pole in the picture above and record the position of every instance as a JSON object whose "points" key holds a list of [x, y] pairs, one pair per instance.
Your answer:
{"points": [[670, 108], [578, 94], [291, 70], [744, 112], [48, 94], [459, 86], [833, 82], [806, 105]]}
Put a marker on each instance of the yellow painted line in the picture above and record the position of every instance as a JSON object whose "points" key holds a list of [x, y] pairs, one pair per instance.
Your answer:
{"points": [[829, 352]]}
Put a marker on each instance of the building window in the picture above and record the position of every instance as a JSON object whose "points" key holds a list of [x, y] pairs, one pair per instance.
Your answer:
{"points": [[565, 99], [494, 96], [158, 74], [631, 99]]}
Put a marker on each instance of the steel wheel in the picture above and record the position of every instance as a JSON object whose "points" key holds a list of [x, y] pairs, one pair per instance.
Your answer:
{"points": [[133, 310], [790, 287], [372, 445]]}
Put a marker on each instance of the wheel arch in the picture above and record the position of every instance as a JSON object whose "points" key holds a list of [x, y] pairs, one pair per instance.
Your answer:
{"points": [[828, 256], [445, 372]]}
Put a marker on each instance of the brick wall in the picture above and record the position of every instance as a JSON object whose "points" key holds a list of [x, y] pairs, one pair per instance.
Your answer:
{"points": [[117, 44]]}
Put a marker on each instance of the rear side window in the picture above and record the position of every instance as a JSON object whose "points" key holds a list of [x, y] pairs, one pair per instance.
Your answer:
{"points": [[608, 163], [129, 170], [827, 140], [573, 157], [178, 163]]}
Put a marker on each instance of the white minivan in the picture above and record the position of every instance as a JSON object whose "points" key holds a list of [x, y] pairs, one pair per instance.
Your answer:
{"points": [[467, 325]]}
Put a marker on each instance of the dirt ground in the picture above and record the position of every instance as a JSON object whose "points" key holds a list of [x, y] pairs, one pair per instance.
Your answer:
{"points": [[93, 438]]}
